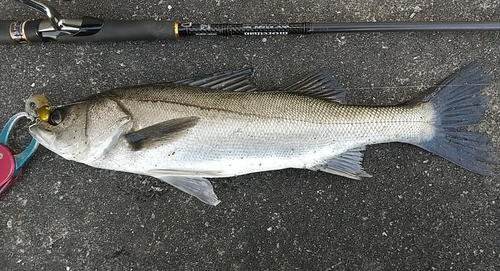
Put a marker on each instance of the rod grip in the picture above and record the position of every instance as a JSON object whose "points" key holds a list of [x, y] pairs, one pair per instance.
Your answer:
{"points": [[121, 30], [5, 38]]}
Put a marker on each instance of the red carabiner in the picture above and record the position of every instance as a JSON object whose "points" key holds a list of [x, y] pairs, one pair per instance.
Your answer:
{"points": [[7, 165], [11, 164]]}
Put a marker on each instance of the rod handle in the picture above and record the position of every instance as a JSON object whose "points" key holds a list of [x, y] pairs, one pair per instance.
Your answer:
{"points": [[5, 32], [15, 32], [122, 30]]}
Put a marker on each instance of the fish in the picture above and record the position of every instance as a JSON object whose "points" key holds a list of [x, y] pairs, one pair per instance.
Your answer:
{"points": [[188, 131]]}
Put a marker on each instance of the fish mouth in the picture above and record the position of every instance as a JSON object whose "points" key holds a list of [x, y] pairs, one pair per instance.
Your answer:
{"points": [[43, 136]]}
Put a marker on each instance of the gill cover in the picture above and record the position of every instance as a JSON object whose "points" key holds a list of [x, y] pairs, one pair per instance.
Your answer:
{"points": [[83, 131]]}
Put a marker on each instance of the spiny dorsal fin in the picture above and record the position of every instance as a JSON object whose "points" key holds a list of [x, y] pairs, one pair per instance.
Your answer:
{"points": [[321, 84], [348, 164], [163, 130], [228, 80]]}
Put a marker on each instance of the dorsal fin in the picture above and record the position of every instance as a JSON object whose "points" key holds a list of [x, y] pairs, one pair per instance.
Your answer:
{"points": [[321, 84], [228, 80]]}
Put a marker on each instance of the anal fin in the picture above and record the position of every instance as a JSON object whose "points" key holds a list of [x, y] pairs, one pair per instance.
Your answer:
{"points": [[348, 164]]}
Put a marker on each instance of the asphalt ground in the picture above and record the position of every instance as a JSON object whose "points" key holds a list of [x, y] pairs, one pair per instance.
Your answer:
{"points": [[417, 212]]}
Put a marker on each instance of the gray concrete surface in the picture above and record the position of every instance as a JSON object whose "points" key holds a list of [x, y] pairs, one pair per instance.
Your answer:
{"points": [[418, 212]]}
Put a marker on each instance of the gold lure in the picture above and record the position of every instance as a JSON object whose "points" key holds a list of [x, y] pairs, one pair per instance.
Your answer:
{"points": [[38, 106]]}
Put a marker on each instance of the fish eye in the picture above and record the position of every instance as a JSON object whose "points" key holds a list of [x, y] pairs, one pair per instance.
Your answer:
{"points": [[56, 117], [32, 106]]}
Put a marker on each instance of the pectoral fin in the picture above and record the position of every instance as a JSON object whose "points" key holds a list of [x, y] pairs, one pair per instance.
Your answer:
{"points": [[348, 164], [163, 130], [198, 187]]}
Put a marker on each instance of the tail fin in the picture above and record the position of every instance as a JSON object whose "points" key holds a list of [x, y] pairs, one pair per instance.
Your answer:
{"points": [[458, 104]]}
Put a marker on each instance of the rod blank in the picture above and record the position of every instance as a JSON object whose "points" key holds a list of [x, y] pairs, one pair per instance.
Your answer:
{"points": [[189, 29]]}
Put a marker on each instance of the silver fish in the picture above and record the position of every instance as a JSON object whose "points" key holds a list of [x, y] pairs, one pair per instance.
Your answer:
{"points": [[221, 126]]}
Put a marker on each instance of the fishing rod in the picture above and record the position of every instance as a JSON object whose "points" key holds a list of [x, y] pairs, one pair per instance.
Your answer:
{"points": [[90, 29]]}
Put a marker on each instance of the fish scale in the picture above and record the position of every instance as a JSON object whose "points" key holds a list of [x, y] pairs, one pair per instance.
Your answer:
{"points": [[303, 130]]}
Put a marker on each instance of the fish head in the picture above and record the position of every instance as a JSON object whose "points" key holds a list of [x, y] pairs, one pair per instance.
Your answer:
{"points": [[83, 131], [64, 132]]}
